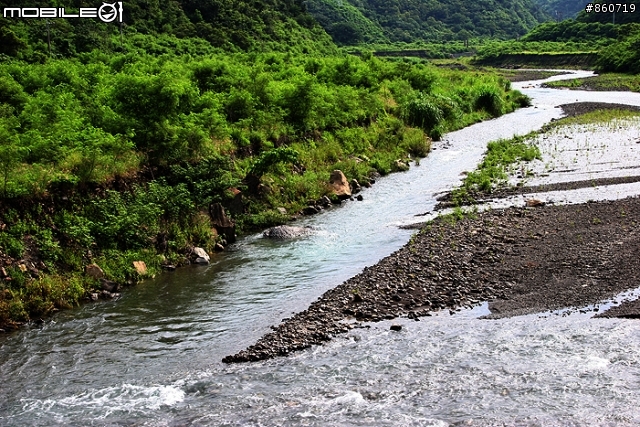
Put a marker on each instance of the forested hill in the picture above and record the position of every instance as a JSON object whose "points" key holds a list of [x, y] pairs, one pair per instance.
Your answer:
{"points": [[228, 24], [379, 21]]}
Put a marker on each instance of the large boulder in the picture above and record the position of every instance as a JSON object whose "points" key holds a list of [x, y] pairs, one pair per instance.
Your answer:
{"points": [[286, 232], [340, 184], [222, 223], [94, 271], [200, 256]]}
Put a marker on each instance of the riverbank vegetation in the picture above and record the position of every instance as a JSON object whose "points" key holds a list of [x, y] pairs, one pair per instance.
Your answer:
{"points": [[115, 158], [494, 168]]}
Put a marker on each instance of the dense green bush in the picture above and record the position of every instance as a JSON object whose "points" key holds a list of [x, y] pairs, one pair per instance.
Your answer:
{"points": [[423, 112], [489, 98], [623, 56]]}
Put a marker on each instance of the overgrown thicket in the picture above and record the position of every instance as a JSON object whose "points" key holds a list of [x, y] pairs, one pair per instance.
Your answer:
{"points": [[113, 158], [571, 30], [624, 55]]}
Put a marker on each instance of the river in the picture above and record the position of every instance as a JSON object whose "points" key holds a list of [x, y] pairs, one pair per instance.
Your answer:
{"points": [[152, 358]]}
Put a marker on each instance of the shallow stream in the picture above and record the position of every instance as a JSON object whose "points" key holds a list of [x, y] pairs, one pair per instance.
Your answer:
{"points": [[152, 357]]}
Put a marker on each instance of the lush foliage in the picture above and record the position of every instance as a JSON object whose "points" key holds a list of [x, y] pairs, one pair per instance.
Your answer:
{"points": [[572, 31], [232, 25], [624, 55]]}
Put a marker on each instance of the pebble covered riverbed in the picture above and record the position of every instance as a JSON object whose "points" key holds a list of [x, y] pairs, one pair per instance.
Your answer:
{"points": [[521, 260]]}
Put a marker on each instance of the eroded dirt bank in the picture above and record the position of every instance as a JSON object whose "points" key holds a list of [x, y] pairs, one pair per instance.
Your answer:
{"points": [[523, 260]]}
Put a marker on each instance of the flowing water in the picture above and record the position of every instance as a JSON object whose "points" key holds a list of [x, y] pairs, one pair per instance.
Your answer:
{"points": [[152, 358]]}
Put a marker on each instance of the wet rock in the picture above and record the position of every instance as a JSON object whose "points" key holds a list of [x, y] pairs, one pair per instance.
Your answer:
{"points": [[200, 256], [94, 271], [355, 186], [340, 184], [169, 267], [359, 198], [310, 210], [324, 201], [401, 166], [109, 295], [109, 285], [287, 232], [396, 327], [237, 204]]}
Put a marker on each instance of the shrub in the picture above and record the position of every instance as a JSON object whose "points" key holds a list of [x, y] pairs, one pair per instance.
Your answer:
{"points": [[415, 142], [489, 98], [12, 246], [422, 112]]}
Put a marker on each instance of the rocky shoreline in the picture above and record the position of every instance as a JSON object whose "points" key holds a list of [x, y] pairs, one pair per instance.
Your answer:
{"points": [[521, 260]]}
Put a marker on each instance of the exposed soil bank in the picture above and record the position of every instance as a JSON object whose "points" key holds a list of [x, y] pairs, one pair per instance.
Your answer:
{"points": [[540, 60], [522, 260], [523, 75]]}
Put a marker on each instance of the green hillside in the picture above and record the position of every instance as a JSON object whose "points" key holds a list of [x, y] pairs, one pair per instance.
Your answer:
{"points": [[231, 25], [355, 21]]}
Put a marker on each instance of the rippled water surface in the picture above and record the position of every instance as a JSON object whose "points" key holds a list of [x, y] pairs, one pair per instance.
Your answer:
{"points": [[153, 357]]}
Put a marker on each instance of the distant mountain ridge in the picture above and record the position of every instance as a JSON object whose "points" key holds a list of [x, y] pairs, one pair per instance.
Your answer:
{"points": [[380, 21]]}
